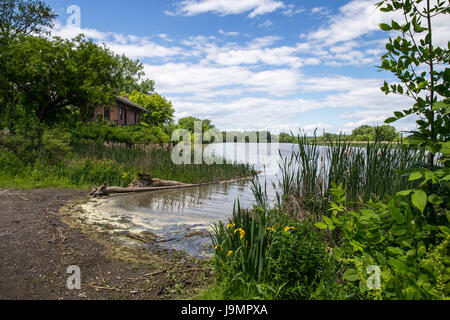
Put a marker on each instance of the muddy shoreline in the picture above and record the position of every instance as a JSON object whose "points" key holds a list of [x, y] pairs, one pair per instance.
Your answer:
{"points": [[41, 235]]}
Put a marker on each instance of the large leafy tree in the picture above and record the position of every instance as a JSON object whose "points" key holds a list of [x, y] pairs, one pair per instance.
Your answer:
{"points": [[18, 18], [21, 18], [161, 110], [50, 75], [46, 78], [422, 68], [56, 78]]}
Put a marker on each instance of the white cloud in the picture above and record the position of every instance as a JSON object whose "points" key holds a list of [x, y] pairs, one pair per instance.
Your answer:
{"points": [[265, 113], [226, 7], [230, 33], [291, 10], [356, 18], [374, 117], [144, 49], [337, 83], [130, 45], [208, 81], [361, 17], [320, 10], [282, 56], [165, 37], [69, 32], [266, 24]]}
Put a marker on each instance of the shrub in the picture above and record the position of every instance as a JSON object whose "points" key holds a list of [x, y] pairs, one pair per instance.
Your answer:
{"points": [[55, 145], [96, 171], [410, 249], [10, 164], [302, 264], [242, 247], [130, 135], [261, 255]]}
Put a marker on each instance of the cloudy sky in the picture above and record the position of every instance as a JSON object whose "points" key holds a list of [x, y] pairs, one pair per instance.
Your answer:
{"points": [[254, 64]]}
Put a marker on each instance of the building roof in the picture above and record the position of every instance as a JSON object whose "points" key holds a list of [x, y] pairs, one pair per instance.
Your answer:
{"points": [[131, 104]]}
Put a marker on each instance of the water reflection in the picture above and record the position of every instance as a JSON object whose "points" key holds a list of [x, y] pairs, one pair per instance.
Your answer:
{"points": [[181, 201], [173, 213]]}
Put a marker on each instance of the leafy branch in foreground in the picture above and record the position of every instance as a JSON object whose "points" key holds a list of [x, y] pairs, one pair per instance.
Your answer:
{"points": [[421, 66]]}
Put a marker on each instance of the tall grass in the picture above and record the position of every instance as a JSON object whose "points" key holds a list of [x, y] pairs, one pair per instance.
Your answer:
{"points": [[374, 171], [158, 163], [262, 254], [83, 163]]}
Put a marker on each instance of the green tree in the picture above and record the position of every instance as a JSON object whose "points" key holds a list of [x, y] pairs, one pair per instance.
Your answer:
{"points": [[380, 133], [49, 76], [286, 138], [189, 122], [131, 76], [422, 68], [386, 133], [55, 79], [161, 110], [18, 18], [21, 18], [364, 132]]}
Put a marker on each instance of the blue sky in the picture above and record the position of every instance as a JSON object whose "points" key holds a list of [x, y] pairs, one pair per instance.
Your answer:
{"points": [[254, 64]]}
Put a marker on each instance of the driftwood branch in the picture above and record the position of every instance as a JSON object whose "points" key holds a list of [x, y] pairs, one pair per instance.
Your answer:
{"points": [[105, 191], [145, 183]]}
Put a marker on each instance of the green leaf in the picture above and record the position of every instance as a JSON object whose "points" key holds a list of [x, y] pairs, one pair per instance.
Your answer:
{"points": [[416, 175], [395, 25], [435, 199], [395, 251], [398, 230], [414, 140], [381, 259], [398, 114], [440, 105], [385, 27], [445, 230], [390, 120], [421, 251], [405, 193], [400, 266], [419, 200], [350, 275], [362, 286], [328, 221], [321, 225], [395, 212]]}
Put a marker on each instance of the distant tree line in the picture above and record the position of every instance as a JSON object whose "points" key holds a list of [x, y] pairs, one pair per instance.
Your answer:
{"points": [[360, 134]]}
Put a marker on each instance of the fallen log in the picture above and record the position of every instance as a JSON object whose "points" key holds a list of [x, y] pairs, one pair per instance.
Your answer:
{"points": [[156, 185], [100, 192]]}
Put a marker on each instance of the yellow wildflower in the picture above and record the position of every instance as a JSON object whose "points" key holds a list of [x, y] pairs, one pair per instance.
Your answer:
{"points": [[124, 175], [231, 225], [241, 231], [230, 253], [271, 229], [217, 247], [288, 228]]}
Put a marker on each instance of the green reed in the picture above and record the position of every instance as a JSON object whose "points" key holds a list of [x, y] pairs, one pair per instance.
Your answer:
{"points": [[157, 161], [374, 171]]}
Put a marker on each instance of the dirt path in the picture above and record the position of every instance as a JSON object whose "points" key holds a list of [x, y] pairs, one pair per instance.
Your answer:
{"points": [[37, 247]]}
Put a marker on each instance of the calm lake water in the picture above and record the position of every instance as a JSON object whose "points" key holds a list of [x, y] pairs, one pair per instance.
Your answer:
{"points": [[183, 217]]}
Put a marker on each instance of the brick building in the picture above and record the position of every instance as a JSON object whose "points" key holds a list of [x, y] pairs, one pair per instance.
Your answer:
{"points": [[122, 113]]}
